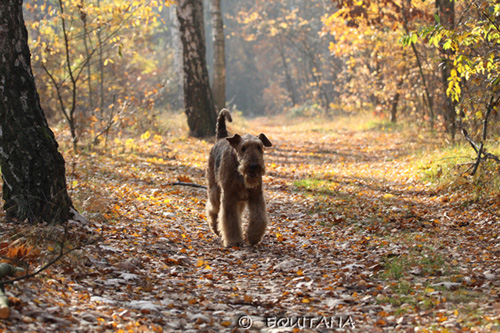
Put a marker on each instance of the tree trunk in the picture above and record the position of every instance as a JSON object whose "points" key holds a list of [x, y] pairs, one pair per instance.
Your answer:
{"points": [[198, 102], [420, 68], [86, 41], [446, 12], [395, 100], [101, 64], [288, 78], [219, 78], [33, 172]]}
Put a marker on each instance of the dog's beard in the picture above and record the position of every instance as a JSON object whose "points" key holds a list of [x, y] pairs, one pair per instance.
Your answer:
{"points": [[252, 179]]}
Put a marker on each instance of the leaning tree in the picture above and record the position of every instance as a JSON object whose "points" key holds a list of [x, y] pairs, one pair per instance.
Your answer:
{"points": [[33, 171]]}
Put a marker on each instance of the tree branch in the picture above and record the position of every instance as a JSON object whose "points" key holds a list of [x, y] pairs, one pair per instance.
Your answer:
{"points": [[61, 254]]}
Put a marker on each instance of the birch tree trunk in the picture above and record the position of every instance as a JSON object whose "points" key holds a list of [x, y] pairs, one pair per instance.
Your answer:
{"points": [[446, 11], [219, 77], [33, 171], [198, 102]]}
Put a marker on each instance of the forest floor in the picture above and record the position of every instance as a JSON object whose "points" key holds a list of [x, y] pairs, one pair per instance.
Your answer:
{"points": [[356, 240]]}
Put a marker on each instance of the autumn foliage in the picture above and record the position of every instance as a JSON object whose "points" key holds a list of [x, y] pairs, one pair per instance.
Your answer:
{"points": [[383, 205], [356, 230]]}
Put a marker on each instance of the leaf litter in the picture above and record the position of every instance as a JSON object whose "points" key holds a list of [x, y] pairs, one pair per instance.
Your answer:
{"points": [[356, 239]]}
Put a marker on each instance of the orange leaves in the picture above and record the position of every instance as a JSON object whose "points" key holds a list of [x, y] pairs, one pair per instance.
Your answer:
{"points": [[391, 261], [185, 179], [18, 253]]}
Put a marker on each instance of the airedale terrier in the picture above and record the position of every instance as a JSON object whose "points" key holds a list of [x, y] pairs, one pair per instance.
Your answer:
{"points": [[234, 173]]}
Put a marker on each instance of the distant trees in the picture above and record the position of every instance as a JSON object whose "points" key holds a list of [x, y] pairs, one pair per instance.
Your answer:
{"points": [[449, 64], [294, 66], [33, 171], [432, 62], [96, 63]]}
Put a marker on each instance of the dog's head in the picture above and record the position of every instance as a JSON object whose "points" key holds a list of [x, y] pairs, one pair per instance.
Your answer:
{"points": [[250, 152]]}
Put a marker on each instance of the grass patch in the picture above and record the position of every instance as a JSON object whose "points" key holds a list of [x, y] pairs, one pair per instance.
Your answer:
{"points": [[383, 126], [425, 262], [449, 168], [327, 194], [317, 186]]}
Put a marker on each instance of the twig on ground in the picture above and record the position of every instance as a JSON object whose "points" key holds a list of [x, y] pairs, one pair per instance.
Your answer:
{"points": [[187, 184]]}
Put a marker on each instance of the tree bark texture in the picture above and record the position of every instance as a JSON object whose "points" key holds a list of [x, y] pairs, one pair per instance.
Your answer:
{"points": [[219, 77], [198, 102], [33, 171], [446, 12]]}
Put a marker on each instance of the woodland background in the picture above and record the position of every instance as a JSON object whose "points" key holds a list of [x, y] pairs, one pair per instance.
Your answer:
{"points": [[392, 59], [383, 183]]}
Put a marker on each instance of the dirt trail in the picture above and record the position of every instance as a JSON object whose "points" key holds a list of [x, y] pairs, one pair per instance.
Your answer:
{"points": [[355, 240]]}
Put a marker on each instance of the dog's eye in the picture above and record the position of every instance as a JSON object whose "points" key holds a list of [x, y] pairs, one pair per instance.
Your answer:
{"points": [[243, 149]]}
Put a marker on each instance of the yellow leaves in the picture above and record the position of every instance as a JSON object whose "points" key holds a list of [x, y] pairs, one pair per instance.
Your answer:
{"points": [[331, 47], [202, 263], [146, 135], [250, 37], [283, 25], [254, 16]]}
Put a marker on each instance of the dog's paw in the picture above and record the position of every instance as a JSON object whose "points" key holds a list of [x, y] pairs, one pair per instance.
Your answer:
{"points": [[229, 244]]}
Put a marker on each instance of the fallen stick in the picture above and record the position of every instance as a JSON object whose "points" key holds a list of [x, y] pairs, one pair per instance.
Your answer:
{"points": [[187, 184]]}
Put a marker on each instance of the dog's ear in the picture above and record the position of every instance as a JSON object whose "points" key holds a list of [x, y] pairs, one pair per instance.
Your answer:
{"points": [[265, 140], [234, 141]]}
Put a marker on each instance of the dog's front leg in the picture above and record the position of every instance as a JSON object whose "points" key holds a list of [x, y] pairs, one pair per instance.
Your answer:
{"points": [[257, 216], [230, 221]]}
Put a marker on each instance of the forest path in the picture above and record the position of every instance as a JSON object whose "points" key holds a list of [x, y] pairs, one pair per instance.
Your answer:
{"points": [[355, 239]]}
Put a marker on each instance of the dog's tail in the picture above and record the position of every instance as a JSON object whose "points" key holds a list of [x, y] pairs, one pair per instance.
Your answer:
{"points": [[221, 130]]}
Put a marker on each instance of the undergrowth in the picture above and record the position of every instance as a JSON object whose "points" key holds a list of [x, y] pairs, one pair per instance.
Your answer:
{"points": [[450, 169]]}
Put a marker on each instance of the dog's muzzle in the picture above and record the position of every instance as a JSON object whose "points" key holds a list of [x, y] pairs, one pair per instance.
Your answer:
{"points": [[253, 170]]}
